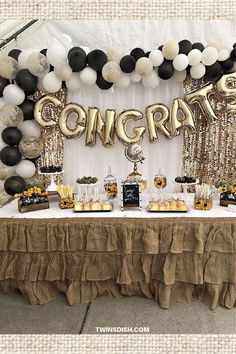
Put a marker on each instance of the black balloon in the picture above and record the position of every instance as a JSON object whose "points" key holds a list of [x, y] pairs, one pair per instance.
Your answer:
{"points": [[28, 109], [3, 84], [96, 59], [161, 46], [127, 64], [185, 46], [137, 53], [14, 53], [10, 155], [198, 46], [227, 65], [77, 60], [11, 136], [76, 49], [188, 69], [26, 81], [147, 54], [102, 83], [214, 70], [233, 55], [14, 185], [166, 70], [44, 51]]}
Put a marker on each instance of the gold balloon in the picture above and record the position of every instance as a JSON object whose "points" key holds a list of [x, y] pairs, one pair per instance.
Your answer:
{"points": [[103, 128], [121, 127], [201, 98], [39, 109], [226, 86], [80, 122], [179, 104], [157, 124]]}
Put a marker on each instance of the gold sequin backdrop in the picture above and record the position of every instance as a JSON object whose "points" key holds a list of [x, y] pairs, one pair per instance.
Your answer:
{"points": [[52, 136], [210, 153]]}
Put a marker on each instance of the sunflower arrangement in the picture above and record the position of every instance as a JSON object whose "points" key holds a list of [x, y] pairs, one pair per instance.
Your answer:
{"points": [[160, 182], [224, 188], [33, 195], [227, 193], [203, 197]]}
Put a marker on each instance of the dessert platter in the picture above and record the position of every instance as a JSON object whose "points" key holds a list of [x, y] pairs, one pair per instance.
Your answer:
{"points": [[167, 205], [88, 199], [185, 182]]}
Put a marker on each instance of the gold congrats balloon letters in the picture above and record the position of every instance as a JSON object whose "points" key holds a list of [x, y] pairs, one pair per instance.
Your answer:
{"points": [[121, 127], [104, 128]]}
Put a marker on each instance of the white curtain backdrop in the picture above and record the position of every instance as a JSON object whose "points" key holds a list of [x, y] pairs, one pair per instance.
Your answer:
{"points": [[165, 155]]}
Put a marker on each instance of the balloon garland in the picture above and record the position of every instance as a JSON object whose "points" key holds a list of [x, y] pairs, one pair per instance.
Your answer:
{"points": [[50, 68], [22, 72]]}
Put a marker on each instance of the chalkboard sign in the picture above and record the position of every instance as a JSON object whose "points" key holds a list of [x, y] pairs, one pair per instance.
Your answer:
{"points": [[130, 195]]}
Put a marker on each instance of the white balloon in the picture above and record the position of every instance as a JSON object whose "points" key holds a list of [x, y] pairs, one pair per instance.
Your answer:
{"points": [[13, 94], [151, 81], [51, 83], [198, 71], [180, 62], [170, 49], [156, 57], [25, 169], [135, 77], [56, 54], [63, 71], [74, 83], [2, 102], [179, 76], [143, 66], [40, 84], [194, 57], [123, 82], [88, 76], [24, 56], [30, 128], [209, 56], [223, 54]]}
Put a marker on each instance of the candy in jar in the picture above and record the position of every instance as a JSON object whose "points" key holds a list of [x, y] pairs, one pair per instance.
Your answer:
{"points": [[110, 185]]}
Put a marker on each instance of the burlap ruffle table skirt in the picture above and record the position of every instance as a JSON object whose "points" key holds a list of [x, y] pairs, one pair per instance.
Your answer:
{"points": [[170, 260]]}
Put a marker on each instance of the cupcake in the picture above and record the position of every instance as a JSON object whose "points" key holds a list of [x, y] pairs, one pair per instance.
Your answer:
{"points": [[87, 206], [106, 206], [96, 206], [78, 206]]}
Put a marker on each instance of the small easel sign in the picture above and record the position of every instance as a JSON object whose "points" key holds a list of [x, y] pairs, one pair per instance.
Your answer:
{"points": [[131, 195]]}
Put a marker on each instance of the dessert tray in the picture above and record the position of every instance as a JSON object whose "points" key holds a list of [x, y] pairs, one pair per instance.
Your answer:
{"points": [[167, 207], [92, 207]]}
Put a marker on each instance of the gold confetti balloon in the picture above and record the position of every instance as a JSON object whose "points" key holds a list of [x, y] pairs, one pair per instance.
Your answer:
{"points": [[8, 67], [11, 115], [31, 147]]}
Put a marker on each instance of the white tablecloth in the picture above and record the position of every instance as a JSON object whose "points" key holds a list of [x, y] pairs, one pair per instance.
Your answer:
{"points": [[11, 211]]}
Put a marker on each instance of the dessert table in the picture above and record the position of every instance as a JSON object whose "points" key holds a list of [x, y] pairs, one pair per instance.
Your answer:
{"points": [[169, 257]]}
